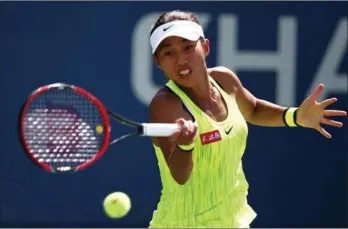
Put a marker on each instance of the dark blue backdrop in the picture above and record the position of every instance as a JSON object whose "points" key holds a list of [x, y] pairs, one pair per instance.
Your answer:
{"points": [[297, 177]]}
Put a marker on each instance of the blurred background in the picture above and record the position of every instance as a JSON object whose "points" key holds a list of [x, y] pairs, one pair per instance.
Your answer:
{"points": [[280, 51]]}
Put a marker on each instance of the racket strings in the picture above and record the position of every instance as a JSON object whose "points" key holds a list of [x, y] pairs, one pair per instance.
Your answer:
{"points": [[62, 129]]}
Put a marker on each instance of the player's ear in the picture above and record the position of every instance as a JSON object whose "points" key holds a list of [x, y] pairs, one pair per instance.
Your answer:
{"points": [[157, 61], [206, 46]]}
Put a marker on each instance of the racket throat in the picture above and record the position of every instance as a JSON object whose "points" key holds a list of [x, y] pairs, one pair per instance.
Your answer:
{"points": [[140, 130], [125, 137]]}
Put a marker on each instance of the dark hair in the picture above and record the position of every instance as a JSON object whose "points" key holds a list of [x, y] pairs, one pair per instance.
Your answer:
{"points": [[174, 15]]}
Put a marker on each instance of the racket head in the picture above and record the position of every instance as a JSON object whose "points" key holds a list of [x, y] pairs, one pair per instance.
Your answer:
{"points": [[64, 128]]}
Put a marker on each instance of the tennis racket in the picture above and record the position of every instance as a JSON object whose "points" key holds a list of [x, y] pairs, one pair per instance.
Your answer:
{"points": [[64, 128]]}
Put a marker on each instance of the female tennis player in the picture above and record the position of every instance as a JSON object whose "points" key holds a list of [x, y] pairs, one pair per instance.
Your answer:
{"points": [[200, 165]]}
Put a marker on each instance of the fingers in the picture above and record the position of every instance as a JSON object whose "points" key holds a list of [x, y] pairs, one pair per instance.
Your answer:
{"points": [[314, 96], [323, 131], [331, 122], [329, 113], [328, 102], [187, 131], [177, 133]]}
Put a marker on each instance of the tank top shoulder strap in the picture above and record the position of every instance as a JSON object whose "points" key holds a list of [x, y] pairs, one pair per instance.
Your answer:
{"points": [[228, 99], [217, 85], [186, 100]]}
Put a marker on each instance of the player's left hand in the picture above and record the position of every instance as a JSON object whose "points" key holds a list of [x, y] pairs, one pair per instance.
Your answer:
{"points": [[312, 114]]}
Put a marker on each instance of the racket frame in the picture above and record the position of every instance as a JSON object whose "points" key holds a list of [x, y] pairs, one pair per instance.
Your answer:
{"points": [[80, 91]]}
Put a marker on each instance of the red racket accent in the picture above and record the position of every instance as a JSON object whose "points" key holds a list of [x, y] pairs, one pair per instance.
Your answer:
{"points": [[106, 120], [35, 94], [102, 113]]}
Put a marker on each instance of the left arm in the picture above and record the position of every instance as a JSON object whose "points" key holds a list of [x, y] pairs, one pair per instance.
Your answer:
{"points": [[259, 112], [264, 113]]}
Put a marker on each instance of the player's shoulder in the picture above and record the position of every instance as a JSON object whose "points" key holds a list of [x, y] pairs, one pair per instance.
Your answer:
{"points": [[225, 77], [164, 101], [219, 70], [165, 97]]}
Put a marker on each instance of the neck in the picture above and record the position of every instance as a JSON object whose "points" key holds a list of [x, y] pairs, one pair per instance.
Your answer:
{"points": [[203, 90]]}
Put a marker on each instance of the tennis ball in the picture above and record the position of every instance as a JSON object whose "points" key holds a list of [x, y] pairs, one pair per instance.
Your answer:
{"points": [[99, 129], [117, 205]]}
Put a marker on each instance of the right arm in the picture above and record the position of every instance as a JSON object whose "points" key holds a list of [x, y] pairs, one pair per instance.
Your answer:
{"points": [[166, 107]]}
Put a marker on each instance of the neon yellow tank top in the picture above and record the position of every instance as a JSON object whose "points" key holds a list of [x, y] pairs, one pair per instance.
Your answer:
{"points": [[215, 194]]}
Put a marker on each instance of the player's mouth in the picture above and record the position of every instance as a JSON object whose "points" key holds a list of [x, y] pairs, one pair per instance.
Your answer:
{"points": [[184, 73]]}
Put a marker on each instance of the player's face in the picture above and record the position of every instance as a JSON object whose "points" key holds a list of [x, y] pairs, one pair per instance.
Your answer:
{"points": [[182, 60]]}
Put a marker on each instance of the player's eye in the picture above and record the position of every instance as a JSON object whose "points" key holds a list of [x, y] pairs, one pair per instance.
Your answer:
{"points": [[169, 53], [187, 47]]}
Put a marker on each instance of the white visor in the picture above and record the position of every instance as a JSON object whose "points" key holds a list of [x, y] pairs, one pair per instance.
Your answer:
{"points": [[186, 29]]}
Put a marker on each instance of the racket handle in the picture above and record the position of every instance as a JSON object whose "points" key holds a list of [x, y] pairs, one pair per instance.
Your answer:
{"points": [[159, 129]]}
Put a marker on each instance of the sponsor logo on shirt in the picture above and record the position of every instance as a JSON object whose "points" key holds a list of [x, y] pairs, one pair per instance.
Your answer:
{"points": [[210, 137]]}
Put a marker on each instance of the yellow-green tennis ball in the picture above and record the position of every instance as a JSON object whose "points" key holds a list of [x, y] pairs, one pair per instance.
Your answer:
{"points": [[117, 205]]}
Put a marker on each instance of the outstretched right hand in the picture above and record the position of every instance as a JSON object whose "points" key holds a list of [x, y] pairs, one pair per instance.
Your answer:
{"points": [[186, 133]]}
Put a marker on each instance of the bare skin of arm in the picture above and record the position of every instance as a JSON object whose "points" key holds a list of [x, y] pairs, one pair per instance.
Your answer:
{"points": [[166, 107], [255, 111]]}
